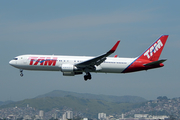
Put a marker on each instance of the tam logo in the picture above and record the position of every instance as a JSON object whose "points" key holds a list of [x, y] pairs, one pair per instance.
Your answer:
{"points": [[46, 61], [153, 49]]}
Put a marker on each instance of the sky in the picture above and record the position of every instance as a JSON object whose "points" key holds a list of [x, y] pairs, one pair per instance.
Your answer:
{"points": [[89, 28]]}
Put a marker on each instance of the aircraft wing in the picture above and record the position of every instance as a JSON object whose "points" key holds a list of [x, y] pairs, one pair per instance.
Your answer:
{"points": [[97, 60]]}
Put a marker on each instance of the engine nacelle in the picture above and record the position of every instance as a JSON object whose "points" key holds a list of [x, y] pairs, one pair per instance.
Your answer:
{"points": [[71, 73], [69, 70], [68, 74]]}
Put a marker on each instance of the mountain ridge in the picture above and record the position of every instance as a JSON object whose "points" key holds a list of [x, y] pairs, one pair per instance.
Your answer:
{"points": [[109, 98], [5, 102]]}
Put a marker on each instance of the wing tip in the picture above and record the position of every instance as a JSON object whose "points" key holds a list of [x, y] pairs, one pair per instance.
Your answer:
{"points": [[114, 47]]}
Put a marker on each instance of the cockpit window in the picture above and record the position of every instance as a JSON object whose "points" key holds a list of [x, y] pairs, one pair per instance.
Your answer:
{"points": [[15, 59]]}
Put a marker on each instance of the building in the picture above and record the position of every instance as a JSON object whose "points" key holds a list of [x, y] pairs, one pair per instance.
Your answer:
{"points": [[122, 116], [162, 117], [27, 117], [141, 115], [54, 116], [146, 117], [41, 114], [101, 116], [64, 116], [67, 115]]}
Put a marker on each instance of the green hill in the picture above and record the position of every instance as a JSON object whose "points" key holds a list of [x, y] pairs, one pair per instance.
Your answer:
{"points": [[89, 107], [109, 98]]}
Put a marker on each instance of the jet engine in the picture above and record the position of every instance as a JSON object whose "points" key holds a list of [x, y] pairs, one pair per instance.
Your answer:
{"points": [[69, 70]]}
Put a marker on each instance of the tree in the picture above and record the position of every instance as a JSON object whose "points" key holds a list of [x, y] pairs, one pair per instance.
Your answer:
{"points": [[20, 118], [172, 117], [162, 98]]}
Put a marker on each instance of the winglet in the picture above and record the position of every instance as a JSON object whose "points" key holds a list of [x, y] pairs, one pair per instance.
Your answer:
{"points": [[114, 47]]}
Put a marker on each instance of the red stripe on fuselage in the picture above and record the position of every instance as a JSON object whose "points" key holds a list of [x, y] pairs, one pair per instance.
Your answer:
{"points": [[138, 65]]}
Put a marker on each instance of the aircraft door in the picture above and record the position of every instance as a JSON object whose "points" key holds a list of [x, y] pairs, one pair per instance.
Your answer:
{"points": [[25, 60]]}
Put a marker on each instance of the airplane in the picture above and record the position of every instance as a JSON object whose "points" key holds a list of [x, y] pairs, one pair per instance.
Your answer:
{"points": [[75, 65]]}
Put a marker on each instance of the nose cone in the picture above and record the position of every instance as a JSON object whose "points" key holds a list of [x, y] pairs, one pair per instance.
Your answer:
{"points": [[12, 62]]}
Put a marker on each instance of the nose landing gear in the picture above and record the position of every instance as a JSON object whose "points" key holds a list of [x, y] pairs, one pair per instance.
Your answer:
{"points": [[21, 72]]}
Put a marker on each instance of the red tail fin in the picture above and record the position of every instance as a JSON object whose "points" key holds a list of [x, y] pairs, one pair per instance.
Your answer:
{"points": [[154, 51]]}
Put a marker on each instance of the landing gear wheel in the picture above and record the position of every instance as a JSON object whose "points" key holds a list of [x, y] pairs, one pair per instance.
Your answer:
{"points": [[87, 76], [21, 75], [21, 72]]}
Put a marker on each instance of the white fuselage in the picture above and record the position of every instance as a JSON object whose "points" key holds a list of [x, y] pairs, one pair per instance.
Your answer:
{"points": [[54, 63]]}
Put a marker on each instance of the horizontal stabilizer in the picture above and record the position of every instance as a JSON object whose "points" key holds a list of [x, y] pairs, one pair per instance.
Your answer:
{"points": [[155, 63]]}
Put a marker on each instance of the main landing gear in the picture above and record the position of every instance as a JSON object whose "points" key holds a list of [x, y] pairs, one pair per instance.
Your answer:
{"points": [[21, 72], [87, 76]]}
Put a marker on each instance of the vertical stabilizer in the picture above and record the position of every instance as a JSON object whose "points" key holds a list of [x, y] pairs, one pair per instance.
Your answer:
{"points": [[154, 51]]}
